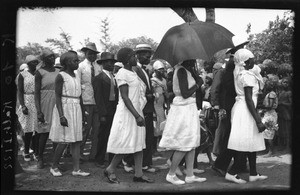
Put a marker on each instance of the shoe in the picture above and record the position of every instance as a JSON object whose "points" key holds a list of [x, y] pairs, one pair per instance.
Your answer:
{"points": [[194, 171], [257, 177], [142, 179], [234, 178], [149, 169], [80, 173], [27, 157], [111, 177], [219, 171], [174, 180], [55, 172], [194, 179], [40, 164], [100, 165], [128, 169]]}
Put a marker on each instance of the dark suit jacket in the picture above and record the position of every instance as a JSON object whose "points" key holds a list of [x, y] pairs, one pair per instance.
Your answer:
{"points": [[101, 85], [149, 107]]}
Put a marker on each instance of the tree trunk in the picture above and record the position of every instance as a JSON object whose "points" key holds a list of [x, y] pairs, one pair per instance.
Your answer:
{"points": [[188, 14], [210, 14]]}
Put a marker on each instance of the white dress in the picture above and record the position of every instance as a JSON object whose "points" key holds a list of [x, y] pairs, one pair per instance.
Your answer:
{"points": [[244, 135], [182, 128], [28, 122], [125, 136], [72, 112]]}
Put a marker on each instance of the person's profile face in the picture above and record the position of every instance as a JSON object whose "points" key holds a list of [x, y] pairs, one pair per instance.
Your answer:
{"points": [[74, 62], [249, 63]]}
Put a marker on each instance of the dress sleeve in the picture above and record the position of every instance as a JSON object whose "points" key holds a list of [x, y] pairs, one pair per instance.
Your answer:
{"points": [[121, 78], [247, 79]]}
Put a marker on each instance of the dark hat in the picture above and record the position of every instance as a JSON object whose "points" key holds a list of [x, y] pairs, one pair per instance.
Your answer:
{"points": [[143, 47], [106, 56], [124, 54], [239, 43], [90, 46]]}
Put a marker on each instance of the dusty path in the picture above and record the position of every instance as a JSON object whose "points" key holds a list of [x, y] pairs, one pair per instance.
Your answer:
{"points": [[277, 168]]}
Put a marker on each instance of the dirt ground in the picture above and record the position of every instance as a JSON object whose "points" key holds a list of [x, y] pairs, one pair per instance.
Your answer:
{"points": [[278, 168]]}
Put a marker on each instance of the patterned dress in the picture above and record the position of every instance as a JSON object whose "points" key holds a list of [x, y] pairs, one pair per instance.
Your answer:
{"points": [[72, 111], [47, 98], [28, 122]]}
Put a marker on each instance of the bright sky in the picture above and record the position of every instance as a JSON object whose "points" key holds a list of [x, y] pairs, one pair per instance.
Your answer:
{"points": [[36, 26]]}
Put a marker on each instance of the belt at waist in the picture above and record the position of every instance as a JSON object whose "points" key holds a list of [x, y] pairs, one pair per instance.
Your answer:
{"points": [[66, 96]]}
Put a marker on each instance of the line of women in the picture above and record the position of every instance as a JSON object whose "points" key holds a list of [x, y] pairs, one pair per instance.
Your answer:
{"points": [[57, 110]]}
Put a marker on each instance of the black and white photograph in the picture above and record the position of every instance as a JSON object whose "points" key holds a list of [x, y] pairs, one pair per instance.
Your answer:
{"points": [[152, 99]]}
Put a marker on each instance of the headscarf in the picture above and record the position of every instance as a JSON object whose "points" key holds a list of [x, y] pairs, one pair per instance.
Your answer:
{"points": [[240, 57]]}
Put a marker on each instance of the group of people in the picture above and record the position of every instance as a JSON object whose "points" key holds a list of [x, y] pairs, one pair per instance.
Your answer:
{"points": [[129, 109]]}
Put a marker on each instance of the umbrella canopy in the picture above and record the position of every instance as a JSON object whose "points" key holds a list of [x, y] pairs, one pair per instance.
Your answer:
{"points": [[194, 40]]}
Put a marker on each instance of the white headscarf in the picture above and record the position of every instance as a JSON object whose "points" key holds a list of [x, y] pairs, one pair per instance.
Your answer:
{"points": [[240, 57]]}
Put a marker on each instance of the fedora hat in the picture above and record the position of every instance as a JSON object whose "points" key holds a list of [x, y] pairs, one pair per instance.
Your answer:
{"points": [[90, 46], [239, 42], [143, 47], [106, 56]]}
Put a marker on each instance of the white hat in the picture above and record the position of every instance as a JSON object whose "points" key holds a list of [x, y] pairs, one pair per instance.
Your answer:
{"points": [[23, 67], [119, 64], [57, 63], [241, 56], [143, 47], [158, 65]]}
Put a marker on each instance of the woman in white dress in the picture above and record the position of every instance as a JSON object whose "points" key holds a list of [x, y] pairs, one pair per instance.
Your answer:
{"points": [[182, 128], [127, 134], [67, 115], [246, 128], [26, 112]]}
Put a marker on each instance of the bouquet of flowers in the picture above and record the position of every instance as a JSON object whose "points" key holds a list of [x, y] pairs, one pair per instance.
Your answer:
{"points": [[270, 121]]}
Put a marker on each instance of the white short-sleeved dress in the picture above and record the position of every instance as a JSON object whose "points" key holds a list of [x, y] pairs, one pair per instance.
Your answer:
{"points": [[28, 122], [182, 128], [72, 111], [125, 136], [244, 135]]}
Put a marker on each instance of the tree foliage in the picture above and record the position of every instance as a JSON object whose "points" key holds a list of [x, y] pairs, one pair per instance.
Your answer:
{"points": [[276, 42], [63, 44], [105, 38], [30, 49]]}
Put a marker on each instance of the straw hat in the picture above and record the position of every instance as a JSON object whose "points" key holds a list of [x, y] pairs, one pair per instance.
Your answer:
{"points": [[143, 47], [90, 46], [119, 64], [23, 67]]}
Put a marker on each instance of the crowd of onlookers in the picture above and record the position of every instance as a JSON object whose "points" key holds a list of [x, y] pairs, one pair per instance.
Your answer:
{"points": [[131, 108]]}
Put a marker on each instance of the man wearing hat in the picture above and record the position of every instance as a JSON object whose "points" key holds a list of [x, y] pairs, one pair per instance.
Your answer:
{"points": [[106, 98], [87, 70], [144, 53], [223, 97]]}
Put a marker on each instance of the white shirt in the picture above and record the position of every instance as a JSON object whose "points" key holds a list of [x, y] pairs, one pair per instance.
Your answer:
{"points": [[145, 73], [84, 72]]}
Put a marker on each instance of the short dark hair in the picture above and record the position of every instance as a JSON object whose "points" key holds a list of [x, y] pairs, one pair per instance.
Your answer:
{"points": [[65, 57]]}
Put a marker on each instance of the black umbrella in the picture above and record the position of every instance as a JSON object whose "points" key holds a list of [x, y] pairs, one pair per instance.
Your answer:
{"points": [[194, 40]]}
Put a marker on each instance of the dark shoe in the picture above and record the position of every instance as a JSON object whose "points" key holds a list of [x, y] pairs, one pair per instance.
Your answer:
{"points": [[100, 165], [219, 171], [149, 169], [111, 177], [143, 179]]}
